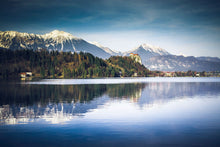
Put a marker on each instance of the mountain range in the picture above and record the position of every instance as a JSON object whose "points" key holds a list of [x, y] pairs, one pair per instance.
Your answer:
{"points": [[55, 40], [154, 58]]}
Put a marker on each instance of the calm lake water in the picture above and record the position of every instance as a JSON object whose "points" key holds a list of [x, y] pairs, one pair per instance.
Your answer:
{"points": [[111, 112]]}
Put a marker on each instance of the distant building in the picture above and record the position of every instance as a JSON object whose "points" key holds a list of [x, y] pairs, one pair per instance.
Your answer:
{"points": [[135, 74], [23, 75], [136, 57], [169, 74], [26, 74]]}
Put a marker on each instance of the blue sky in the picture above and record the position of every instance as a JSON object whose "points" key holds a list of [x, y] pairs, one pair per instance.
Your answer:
{"points": [[189, 27]]}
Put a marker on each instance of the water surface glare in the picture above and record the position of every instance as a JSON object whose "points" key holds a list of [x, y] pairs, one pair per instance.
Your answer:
{"points": [[122, 80], [111, 112]]}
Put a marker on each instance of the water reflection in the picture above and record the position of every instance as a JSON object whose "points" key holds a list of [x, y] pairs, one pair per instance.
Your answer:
{"points": [[163, 92], [20, 103]]}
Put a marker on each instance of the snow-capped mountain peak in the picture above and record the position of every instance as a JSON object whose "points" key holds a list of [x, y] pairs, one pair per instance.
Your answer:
{"points": [[12, 34], [55, 40], [59, 34], [8, 33], [154, 49], [146, 51]]}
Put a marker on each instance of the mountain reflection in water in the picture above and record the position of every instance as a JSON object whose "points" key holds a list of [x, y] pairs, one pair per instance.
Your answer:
{"points": [[23, 103]]}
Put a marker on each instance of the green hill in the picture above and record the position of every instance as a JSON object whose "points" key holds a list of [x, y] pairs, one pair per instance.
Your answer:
{"points": [[128, 66]]}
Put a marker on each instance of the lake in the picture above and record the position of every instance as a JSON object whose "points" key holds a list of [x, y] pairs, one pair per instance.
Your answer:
{"points": [[111, 112]]}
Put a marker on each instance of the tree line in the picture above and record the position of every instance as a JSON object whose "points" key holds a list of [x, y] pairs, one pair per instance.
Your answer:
{"points": [[54, 64]]}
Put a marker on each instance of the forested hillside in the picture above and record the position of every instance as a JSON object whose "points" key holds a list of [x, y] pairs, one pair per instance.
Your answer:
{"points": [[128, 67], [56, 64]]}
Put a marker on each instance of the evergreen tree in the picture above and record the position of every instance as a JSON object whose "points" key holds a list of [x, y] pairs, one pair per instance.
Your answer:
{"points": [[42, 72]]}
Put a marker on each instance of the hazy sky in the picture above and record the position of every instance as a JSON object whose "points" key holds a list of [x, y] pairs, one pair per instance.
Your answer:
{"points": [[189, 27]]}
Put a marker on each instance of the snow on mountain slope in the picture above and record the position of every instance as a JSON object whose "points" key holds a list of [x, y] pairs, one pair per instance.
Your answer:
{"points": [[153, 50], [56, 34], [106, 49], [211, 59], [146, 51], [180, 63], [16, 40], [55, 40]]}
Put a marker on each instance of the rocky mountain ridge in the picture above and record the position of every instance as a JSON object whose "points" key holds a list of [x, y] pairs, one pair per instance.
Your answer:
{"points": [[55, 40]]}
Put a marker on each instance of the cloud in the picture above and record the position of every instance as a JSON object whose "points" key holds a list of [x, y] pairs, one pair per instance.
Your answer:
{"points": [[115, 13]]}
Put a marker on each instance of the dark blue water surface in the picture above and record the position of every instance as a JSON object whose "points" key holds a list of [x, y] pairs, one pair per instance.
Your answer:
{"points": [[111, 112]]}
